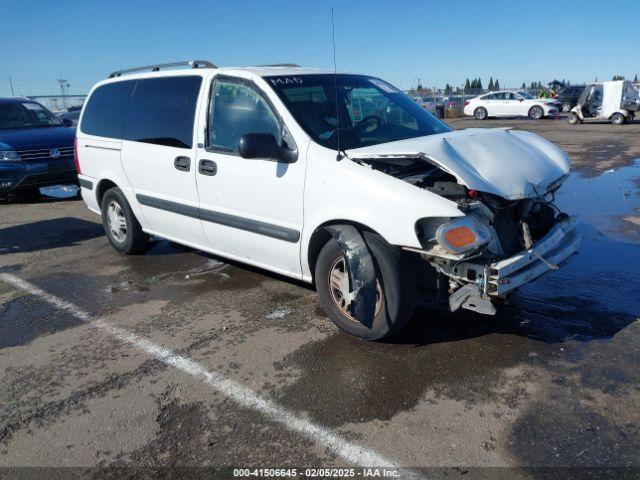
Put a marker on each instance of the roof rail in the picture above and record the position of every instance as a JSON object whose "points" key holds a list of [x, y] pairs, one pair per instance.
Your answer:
{"points": [[295, 65], [156, 68]]}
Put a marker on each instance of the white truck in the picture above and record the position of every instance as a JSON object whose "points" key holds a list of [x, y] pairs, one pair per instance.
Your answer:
{"points": [[339, 180]]}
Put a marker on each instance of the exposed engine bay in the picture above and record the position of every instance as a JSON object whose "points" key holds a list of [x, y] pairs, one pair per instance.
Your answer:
{"points": [[466, 250]]}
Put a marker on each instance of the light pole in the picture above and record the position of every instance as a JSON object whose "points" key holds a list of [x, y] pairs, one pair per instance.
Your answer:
{"points": [[63, 86]]}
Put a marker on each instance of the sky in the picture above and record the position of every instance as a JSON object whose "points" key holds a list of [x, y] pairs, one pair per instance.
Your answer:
{"points": [[401, 41]]}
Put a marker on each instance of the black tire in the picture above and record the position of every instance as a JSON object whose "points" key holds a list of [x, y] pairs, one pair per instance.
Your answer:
{"points": [[134, 240], [396, 281], [536, 112], [617, 119], [573, 118], [480, 113]]}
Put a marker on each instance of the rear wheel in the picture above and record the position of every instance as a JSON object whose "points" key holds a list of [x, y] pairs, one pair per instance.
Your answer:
{"points": [[395, 289], [536, 112], [617, 119], [480, 113], [120, 225], [566, 106]]}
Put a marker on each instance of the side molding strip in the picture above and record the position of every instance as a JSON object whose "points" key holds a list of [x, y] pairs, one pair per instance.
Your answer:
{"points": [[254, 226], [85, 184]]}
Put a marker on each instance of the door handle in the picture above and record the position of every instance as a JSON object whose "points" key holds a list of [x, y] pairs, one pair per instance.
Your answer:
{"points": [[182, 163], [207, 167]]}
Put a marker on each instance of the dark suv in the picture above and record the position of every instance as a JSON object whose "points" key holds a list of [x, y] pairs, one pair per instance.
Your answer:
{"points": [[568, 96], [36, 147]]}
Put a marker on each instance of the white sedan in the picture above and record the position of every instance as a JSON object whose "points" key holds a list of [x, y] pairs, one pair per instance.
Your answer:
{"points": [[511, 104]]}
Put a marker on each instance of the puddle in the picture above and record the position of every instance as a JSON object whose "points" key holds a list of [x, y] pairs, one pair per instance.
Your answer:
{"points": [[26, 318], [582, 301], [60, 191], [606, 203]]}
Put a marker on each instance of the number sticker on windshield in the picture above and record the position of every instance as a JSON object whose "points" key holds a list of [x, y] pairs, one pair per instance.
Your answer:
{"points": [[33, 106], [384, 86]]}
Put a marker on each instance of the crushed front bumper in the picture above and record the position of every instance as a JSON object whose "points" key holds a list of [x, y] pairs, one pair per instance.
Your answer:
{"points": [[556, 248]]}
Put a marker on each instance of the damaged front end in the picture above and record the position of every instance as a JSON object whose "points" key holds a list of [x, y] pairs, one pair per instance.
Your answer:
{"points": [[498, 244]]}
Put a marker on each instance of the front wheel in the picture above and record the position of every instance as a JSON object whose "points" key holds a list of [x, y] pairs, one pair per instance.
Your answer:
{"points": [[536, 113], [573, 118], [120, 225], [617, 119], [395, 289]]}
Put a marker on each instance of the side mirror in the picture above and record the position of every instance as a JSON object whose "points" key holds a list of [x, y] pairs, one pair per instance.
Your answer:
{"points": [[67, 122], [264, 146]]}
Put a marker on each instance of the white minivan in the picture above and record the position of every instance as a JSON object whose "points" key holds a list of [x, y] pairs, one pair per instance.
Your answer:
{"points": [[339, 180]]}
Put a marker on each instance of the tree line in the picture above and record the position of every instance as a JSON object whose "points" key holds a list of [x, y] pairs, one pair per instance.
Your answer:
{"points": [[475, 87]]}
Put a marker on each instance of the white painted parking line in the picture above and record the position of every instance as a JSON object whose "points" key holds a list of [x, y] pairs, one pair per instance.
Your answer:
{"points": [[349, 451]]}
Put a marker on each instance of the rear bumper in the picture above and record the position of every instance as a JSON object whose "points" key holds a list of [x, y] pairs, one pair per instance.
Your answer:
{"points": [[556, 248]]}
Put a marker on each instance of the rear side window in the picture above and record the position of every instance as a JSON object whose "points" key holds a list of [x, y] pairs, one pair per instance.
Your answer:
{"points": [[105, 110], [162, 111]]}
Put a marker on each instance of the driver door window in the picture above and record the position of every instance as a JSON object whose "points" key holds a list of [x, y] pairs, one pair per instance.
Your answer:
{"points": [[237, 109]]}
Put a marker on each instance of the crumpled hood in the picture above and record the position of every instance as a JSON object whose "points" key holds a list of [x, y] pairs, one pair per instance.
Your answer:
{"points": [[509, 163]]}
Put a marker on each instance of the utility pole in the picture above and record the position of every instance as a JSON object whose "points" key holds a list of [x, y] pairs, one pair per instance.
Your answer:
{"points": [[63, 86], [11, 85]]}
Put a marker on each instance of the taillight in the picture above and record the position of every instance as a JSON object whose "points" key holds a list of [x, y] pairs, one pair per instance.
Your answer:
{"points": [[467, 102], [75, 155]]}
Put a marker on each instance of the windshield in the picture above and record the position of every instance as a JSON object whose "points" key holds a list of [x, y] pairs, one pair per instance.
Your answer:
{"points": [[525, 95], [370, 110], [26, 115]]}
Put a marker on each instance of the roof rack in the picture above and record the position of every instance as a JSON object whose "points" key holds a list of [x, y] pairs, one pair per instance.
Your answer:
{"points": [[294, 65], [156, 68]]}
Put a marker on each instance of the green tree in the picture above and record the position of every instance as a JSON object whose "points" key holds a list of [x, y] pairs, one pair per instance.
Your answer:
{"points": [[490, 87], [635, 79], [524, 86], [496, 85], [467, 86], [618, 77]]}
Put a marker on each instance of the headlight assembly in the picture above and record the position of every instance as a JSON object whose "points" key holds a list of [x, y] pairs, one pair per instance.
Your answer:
{"points": [[463, 234], [9, 156]]}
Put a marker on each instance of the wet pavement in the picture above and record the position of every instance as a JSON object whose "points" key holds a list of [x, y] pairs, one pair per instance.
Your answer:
{"points": [[553, 380]]}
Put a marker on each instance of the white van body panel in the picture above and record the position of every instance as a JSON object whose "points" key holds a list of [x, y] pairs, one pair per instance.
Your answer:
{"points": [[345, 191], [315, 190], [254, 191]]}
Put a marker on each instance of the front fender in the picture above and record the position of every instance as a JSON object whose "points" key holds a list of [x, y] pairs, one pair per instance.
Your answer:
{"points": [[346, 192]]}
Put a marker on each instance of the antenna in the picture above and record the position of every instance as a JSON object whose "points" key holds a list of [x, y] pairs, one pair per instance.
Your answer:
{"points": [[335, 84]]}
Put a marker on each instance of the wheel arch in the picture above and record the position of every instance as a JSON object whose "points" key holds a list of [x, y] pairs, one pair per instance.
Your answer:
{"points": [[321, 236], [102, 187]]}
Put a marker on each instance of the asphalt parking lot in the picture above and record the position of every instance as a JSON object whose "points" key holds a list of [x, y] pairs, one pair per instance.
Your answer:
{"points": [[178, 358]]}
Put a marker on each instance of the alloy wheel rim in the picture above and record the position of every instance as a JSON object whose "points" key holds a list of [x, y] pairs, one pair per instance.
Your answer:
{"points": [[339, 288], [116, 221]]}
